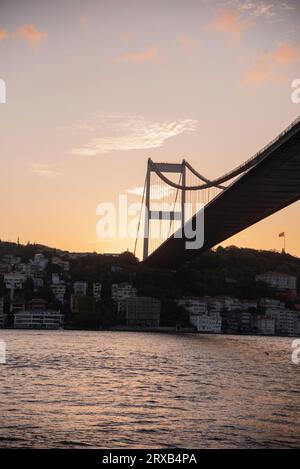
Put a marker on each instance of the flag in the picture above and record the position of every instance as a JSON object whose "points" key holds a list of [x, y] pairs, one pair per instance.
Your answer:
{"points": [[281, 234]]}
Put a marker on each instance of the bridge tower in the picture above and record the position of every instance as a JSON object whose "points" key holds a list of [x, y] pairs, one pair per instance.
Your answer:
{"points": [[173, 168]]}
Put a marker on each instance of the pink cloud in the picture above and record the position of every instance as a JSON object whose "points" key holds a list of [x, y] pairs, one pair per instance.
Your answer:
{"points": [[229, 22], [144, 56], [268, 66], [260, 72], [286, 54], [30, 33], [3, 34]]}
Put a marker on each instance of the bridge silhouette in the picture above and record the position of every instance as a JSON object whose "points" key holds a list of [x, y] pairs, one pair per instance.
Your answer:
{"points": [[261, 186]]}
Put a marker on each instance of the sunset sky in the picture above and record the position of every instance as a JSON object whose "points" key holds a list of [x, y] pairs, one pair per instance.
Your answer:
{"points": [[94, 88]]}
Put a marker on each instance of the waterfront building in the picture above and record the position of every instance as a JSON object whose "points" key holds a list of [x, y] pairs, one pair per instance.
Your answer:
{"points": [[204, 313], [288, 322], [38, 319], [17, 306], [210, 323], [265, 325], [237, 322], [37, 304], [142, 311], [245, 322]]}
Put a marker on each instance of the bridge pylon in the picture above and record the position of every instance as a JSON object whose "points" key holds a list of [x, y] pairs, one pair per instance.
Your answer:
{"points": [[174, 168]]}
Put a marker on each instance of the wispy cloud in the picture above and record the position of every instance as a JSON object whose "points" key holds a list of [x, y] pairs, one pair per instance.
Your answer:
{"points": [[263, 9], [157, 192], [268, 65], [230, 22], [146, 55], [45, 170], [122, 133], [286, 6], [30, 33]]}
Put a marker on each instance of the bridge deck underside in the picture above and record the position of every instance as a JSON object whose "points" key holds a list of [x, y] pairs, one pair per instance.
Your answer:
{"points": [[271, 185]]}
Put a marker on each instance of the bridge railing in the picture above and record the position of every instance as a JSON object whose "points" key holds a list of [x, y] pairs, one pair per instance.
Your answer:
{"points": [[252, 160]]}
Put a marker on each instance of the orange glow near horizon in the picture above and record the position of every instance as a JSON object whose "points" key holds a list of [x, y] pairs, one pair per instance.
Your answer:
{"points": [[93, 91]]}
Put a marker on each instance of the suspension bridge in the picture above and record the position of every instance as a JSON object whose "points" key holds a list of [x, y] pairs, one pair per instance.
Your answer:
{"points": [[175, 193]]}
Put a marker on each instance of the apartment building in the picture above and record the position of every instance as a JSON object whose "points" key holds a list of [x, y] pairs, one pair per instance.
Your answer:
{"points": [[120, 291], [279, 280], [38, 319], [142, 311]]}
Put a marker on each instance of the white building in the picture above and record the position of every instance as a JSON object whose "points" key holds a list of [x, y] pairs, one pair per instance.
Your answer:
{"points": [[206, 323], [286, 320], [279, 280], [97, 288], [119, 291], [38, 320], [235, 304], [193, 305], [80, 288], [204, 313]]}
